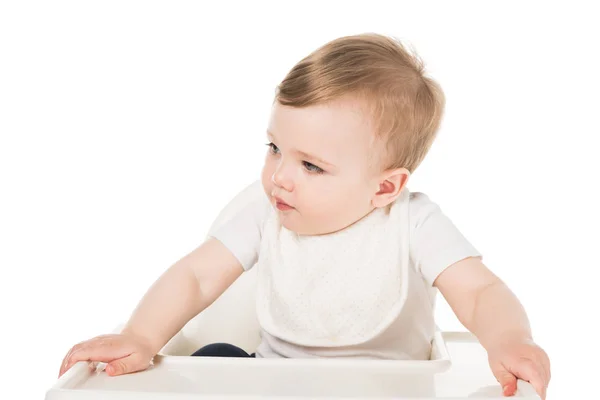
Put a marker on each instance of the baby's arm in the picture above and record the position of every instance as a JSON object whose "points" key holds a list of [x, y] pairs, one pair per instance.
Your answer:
{"points": [[482, 302], [489, 309], [184, 290]]}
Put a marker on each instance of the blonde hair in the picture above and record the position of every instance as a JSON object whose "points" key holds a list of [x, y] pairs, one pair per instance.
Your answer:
{"points": [[405, 106]]}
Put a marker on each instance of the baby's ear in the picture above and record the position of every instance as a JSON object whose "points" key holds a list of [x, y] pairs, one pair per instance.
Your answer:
{"points": [[391, 184]]}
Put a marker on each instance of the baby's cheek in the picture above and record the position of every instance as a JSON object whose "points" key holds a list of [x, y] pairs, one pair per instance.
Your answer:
{"points": [[266, 179]]}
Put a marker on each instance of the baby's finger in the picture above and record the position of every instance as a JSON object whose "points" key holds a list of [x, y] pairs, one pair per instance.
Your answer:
{"points": [[507, 380], [93, 366], [545, 361], [538, 384], [527, 371], [65, 361], [545, 371], [127, 365], [94, 350], [98, 340]]}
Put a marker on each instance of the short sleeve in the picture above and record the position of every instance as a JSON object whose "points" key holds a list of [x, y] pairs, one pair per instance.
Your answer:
{"points": [[435, 242], [239, 226]]}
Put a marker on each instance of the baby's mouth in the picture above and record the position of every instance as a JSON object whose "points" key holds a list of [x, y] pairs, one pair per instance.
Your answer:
{"points": [[282, 205]]}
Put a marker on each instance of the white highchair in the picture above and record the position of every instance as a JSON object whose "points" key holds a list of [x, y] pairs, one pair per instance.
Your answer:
{"points": [[457, 369]]}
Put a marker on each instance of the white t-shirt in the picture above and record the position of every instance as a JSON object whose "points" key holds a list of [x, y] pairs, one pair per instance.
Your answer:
{"points": [[365, 291]]}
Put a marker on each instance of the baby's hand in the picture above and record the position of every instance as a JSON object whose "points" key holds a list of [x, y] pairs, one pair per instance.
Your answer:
{"points": [[520, 359], [123, 353]]}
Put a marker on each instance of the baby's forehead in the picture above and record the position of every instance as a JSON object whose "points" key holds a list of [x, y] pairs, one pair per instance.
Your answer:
{"points": [[335, 121], [339, 131]]}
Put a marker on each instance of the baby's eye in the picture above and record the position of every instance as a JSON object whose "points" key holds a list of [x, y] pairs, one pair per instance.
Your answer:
{"points": [[312, 168], [272, 148]]}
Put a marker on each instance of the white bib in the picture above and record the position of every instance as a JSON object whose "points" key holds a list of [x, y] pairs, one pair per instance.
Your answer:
{"points": [[338, 289]]}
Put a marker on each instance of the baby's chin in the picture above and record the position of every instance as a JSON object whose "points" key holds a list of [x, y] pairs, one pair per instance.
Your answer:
{"points": [[291, 221], [294, 224]]}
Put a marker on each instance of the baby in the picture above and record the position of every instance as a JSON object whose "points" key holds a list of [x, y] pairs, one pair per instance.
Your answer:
{"points": [[348, 259]]}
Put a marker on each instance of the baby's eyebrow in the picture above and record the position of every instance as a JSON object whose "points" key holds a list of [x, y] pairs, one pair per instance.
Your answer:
{"points": [[303, 154]]}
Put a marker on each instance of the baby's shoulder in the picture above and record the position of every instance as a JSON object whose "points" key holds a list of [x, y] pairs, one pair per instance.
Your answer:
{"points": [[421, 207], [418, 198]]}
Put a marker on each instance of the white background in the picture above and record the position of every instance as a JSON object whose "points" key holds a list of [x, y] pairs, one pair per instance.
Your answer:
{"points": [[126, 127]]}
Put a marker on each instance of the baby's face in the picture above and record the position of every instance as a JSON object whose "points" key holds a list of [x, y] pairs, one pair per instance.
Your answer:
{"points": [[318, 163]]}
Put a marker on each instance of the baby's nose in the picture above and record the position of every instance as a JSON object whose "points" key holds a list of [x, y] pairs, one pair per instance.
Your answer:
{"points": [[283, 179]]}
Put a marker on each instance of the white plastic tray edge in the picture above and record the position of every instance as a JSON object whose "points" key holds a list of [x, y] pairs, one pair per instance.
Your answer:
{"points": [[62, 389]]}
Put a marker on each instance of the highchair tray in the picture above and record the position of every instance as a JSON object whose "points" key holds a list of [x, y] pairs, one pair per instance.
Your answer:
{"points": [[466, 376]]}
